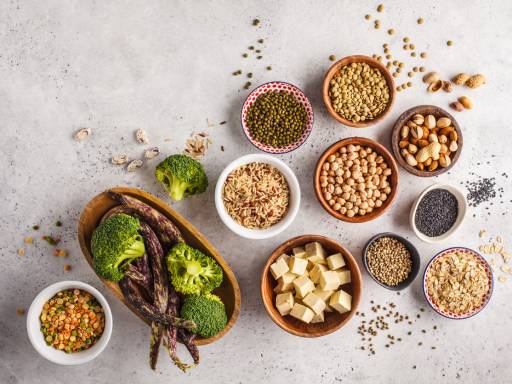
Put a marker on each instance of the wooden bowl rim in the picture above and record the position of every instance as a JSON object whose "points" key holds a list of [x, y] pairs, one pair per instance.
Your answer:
{"points": [[358, 59], [169, 212], [382, 151], [402, 120], [281, 321]]}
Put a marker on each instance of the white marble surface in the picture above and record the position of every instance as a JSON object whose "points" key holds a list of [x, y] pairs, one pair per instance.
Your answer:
{"points": [[166, 66]]}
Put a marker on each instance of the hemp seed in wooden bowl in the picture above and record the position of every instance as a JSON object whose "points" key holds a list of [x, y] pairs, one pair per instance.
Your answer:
{"points": [[426, 141], [356, 180], [358, 91]]}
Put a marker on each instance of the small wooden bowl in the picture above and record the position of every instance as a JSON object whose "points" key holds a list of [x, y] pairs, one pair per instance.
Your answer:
{"points": [[333, 320], [381, 150], [91, 215], [404, 118], [358, 59]]}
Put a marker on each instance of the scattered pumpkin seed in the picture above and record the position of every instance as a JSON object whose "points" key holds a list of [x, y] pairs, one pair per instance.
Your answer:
{"points": [[120, 159], [141, 136], [151, 153], [82, 134], [134, 165]]}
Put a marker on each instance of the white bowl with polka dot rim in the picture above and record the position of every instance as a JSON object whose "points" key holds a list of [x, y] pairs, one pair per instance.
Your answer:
{"points": [[36, 336], [462, 208], [277, 86]]}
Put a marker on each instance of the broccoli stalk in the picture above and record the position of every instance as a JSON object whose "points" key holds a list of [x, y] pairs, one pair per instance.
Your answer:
{"points": [[116, 243], [192, 272], [181, 176]]}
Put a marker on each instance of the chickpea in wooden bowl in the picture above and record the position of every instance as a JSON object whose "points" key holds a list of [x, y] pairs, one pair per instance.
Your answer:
{"points": [[356, 180]]}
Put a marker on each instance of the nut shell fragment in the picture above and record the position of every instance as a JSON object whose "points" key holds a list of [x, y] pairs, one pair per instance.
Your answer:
{"points": [[435, 86], [134, 165], [82, 134], [476, 81], [460, 79], [151, 153], [120, 159], [141, 136]]}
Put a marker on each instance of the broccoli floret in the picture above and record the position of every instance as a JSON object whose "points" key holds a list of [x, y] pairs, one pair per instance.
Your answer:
{"points": [[207, 312], [181, 176], [116, 243], [191, 271]]}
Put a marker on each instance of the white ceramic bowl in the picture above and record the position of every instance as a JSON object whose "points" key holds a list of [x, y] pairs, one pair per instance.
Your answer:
{"points": [[463, 205], [275, 229], [36, 336]]}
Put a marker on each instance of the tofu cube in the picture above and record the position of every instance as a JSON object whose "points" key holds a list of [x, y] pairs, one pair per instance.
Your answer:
{"points": [[279, 268], [314, 302], [341, 301], [344, 276], [324, 295], [287, 278], [297, 265], [303, 285], [314, 273], [299, 252], [318, 318], [329, 280], [328, 308], [335, 261], [285, 257], [315, 253], [284, 303], [283, 287], [302, 313]]}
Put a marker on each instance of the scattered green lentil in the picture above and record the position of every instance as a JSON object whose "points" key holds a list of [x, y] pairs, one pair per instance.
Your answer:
{"points": [[367, 17], [410, 74], [332, 57], [276, 118], [380, 7], [409, 84], [247, 85], [449, 43], [236, 73], [421, 20], [256, 22], [260, 41], [259, 57], [249, 75], [35, 227], [423, 55], [51, 240], [377, 24], [58, 223], [413, 54], [245, 55], [415, 69], [406, 47], [385, 45], [405, 39], [422, 69], [258, 51], [391, 31], [412, 47], [251, 47], [269, 68]]}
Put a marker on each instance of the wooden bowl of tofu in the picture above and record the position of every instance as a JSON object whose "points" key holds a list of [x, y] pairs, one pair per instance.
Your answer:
{"points": [[311, 286]]}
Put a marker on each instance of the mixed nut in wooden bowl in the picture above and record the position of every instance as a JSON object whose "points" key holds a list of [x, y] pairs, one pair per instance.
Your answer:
{"points": [[356, 179], [426, 140], [358, 91]]}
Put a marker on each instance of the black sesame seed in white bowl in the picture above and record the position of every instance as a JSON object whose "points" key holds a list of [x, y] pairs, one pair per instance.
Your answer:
{"points": [[438, 212]]}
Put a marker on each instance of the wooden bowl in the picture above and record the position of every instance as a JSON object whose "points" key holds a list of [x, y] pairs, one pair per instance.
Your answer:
{"points": [[91, 215], [333, 320], [381, 150], [404, 118], [358, 59]]}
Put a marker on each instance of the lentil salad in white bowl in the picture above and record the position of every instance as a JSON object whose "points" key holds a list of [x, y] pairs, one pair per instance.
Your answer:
{"points": [[257, 196]]}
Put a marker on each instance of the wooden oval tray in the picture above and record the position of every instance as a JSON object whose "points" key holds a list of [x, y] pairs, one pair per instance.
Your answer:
{"points": [[91, 215]]}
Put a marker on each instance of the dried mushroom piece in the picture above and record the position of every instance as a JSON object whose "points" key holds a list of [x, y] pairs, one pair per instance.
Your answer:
{"points": [[134, 165], [82, 134], [120, 159], [141, 136], [151, 153]]}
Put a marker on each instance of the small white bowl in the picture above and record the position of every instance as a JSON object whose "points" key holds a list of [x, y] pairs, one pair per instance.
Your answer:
{"points": [[36, 336], [463, 205], [275, 229]]}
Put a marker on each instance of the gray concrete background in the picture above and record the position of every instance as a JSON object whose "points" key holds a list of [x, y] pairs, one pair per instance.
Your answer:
{"points": [[166, 66]]}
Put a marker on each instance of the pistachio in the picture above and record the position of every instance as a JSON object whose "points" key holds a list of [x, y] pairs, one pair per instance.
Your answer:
{"points": [[431, 77], [430, 121], [453, 146], [466, 102], [417, 132], [404, 132], [443, 122], [411, 160], [444, 161], [433, 138], [457, 106], [460, 79], [435, 86], [476, 81], [418, 119]]}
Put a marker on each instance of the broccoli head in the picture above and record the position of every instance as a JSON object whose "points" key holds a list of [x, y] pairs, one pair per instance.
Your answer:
{"points": [[207, 312], [192, 272], [181, 176], [116, 243]]}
